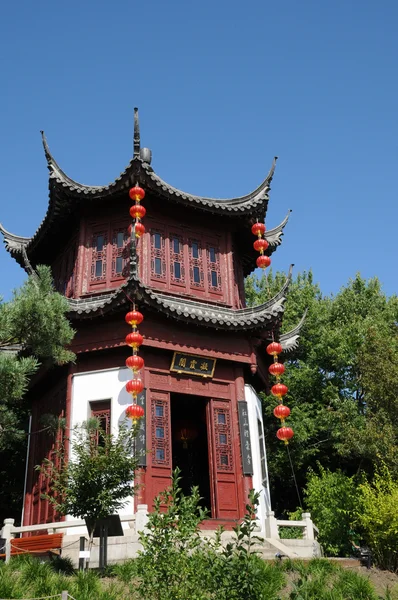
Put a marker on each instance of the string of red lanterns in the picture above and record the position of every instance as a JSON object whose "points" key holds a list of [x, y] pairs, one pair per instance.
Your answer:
{"points": [[274, 348], [134, 318]]}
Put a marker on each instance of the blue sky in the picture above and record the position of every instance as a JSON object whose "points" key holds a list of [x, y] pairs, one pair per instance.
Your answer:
{"points": [[222, 87]]}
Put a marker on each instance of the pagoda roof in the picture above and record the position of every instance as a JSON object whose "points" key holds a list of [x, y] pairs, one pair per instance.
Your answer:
{"points": [[139, 170], [180, 308]]}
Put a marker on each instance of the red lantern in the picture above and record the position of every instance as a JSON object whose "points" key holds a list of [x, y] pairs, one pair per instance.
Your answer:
{"points": [[279, 389], [134, 386], [263, 261], [130, 230], [281, 411], [137, 211], [136, 193], [186, 434], [258, 229], [134, 412], [274, 348], [276, 369], [134, 339], [139, 230], [135, 363], [285, 434], [260, 245], [134, 318]]}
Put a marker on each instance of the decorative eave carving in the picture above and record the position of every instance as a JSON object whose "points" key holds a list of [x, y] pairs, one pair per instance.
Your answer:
{"points": [[290, 340]]}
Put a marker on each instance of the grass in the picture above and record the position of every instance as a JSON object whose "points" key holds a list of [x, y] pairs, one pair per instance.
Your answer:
{"points": [[318, 579]]}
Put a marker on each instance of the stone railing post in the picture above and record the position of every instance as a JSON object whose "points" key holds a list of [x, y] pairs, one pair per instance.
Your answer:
{"points": [[309, 526], [7, 535], [141, 517], [271, 526]]}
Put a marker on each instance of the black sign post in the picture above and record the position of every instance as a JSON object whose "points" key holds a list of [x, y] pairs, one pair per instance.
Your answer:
{"points": [[245, 443]]}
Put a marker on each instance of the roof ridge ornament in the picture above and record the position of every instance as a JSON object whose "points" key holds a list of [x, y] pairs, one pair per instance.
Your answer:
{"points": [[46, 147], [289, 340], [137, 138]]}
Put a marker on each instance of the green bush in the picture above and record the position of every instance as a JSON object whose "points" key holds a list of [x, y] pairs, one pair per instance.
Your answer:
{"points": [[209, 574], [377, 515], [178, 563], [332, 499]]}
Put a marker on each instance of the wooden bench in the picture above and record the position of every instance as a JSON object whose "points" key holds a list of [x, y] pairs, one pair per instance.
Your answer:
{"points": [[37, 544]]}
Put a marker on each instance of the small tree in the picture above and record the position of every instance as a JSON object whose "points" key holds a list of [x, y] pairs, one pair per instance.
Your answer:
{"points": [[377, 517], [34, 330], [98, 476]]}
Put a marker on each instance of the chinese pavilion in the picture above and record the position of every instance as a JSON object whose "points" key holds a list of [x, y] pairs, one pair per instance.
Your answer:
{"points": [[204, 350]]}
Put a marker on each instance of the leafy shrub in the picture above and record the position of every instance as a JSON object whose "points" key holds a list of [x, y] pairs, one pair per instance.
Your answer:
{"points": [[62, 564], [377, 515], [332, 499], [178, 563]]}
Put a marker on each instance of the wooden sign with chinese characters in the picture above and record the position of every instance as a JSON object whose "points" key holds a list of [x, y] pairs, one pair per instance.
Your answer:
{"points": [[247, 461], [193, 365], [140, 443]]}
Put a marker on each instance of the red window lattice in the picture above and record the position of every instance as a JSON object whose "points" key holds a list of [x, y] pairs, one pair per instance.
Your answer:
{"points": [[213, 268], [160, 432], [119, 241], [223, 441], [102, 412], [158, 257], [196, 264], [99, 247], [177, 267]]}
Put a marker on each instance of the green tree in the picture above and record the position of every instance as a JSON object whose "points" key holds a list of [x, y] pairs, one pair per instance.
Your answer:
{"points": [[97, 478], [377, 517], [342, 381], [34, 330], [332, 499]]}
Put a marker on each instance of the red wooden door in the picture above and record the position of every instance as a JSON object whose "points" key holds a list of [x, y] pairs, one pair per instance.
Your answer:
{"points": [[223, 468], [160, 457]]}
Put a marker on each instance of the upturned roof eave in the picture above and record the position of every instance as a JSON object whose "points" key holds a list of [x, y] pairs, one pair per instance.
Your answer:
{"points": [[138, 171]]}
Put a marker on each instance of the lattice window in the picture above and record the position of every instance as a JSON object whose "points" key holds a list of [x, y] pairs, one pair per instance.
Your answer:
{"points": [[177, 268], [196, 264], [98, 256], [119, 241], [160, 432], [102, 412], [158, 258], [213, 268], [223, 441]]}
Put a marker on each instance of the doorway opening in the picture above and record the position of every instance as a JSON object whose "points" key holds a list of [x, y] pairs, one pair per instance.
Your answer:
{"points": [[190, 444]]}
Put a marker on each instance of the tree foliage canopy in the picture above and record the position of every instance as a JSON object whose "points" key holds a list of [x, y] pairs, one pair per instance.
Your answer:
{"points": [[97, 479], [33, 330], [342, 380]]}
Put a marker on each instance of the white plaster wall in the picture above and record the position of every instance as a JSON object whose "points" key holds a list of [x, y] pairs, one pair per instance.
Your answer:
{"points": [[255, 413], [93, 386]]}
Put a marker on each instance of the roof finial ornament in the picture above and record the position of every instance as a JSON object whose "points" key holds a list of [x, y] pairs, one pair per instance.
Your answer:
{"points": [[45, 146], [137, 139]]}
